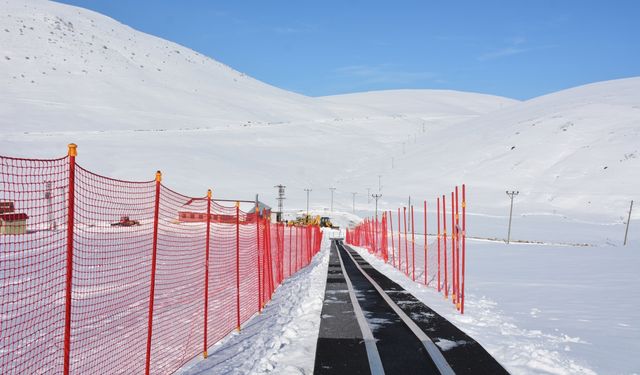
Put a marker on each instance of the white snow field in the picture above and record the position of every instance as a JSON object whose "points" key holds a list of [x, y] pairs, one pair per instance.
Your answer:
{"points": [[135, 103]]}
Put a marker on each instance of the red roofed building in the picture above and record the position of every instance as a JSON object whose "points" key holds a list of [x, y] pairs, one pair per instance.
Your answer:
{"points": [[12, 222]]}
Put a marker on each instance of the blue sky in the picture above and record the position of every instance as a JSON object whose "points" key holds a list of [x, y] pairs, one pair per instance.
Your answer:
{"points": [[519, 49]]}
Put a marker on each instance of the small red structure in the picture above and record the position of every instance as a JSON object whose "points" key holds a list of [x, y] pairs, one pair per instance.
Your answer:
{"points": [[12, 222], [201, 217]]}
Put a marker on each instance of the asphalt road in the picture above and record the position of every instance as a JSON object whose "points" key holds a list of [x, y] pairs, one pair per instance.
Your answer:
{"points": [[371, 325]]}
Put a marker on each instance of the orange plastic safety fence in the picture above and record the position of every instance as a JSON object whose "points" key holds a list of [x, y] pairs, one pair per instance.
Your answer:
{"points": [[138, 270], [439, 263], [33, 210]]}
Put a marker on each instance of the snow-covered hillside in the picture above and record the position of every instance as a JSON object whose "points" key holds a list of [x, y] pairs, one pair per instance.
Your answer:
{"points": [[122, 79], [418, 103], [577, 149], [136, 103]]}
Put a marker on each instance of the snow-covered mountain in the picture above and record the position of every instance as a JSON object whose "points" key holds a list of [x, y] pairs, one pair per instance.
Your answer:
{"points": [[70, 69], [577, 150], [136, 103]]}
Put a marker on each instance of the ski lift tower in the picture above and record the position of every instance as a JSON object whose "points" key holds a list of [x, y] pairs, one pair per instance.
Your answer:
{"points": [[280, 200]]}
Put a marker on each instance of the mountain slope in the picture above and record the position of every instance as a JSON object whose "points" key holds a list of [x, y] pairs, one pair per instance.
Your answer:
{"points": [[69, 69], [424, 102], [577, 150], [136, 103], [66, 65]]}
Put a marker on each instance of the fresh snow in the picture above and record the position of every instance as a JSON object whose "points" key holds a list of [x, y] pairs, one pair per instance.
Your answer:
{"points": [[280, 340], [544, 309], [134, 103]]}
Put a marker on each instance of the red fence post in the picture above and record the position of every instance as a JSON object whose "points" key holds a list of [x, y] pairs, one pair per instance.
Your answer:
{"points": [[454, 294], [393, 250], [206, 273], [406, 243], [385, 240], [290, 248], [413, 246], [72, 152], [399, 244], [154, 252], [438, 217], [464, 237], [309, 231], [259, 263], [281, 226], [278, 264], [457, 252], [444, 252], [375, 235], [425, 243], [269, 259], [238, 265]]}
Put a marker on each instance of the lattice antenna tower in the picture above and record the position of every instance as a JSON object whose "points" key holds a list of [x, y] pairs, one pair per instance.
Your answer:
{"points": [[280, 200]]}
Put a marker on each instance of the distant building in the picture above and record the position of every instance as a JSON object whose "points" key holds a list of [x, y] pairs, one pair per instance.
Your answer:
{"points": [[201, 217], [6, 207], [12, 222]]}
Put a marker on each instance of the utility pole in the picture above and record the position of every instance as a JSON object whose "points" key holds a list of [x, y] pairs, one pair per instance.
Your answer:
{"points": [[48, 195], [308, 191], [376, 197], [332, 190], [354, 201], [626, 231], [368, 195], [280, 200], [379, 182], [511, 194], [403, 151]]}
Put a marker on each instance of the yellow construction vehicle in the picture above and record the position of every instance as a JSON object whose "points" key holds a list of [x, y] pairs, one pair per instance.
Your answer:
{"points": [[325, 222], [305, 220]]}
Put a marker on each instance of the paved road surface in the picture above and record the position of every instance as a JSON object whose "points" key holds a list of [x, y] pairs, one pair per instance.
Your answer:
{"points": [[370, 325]]}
